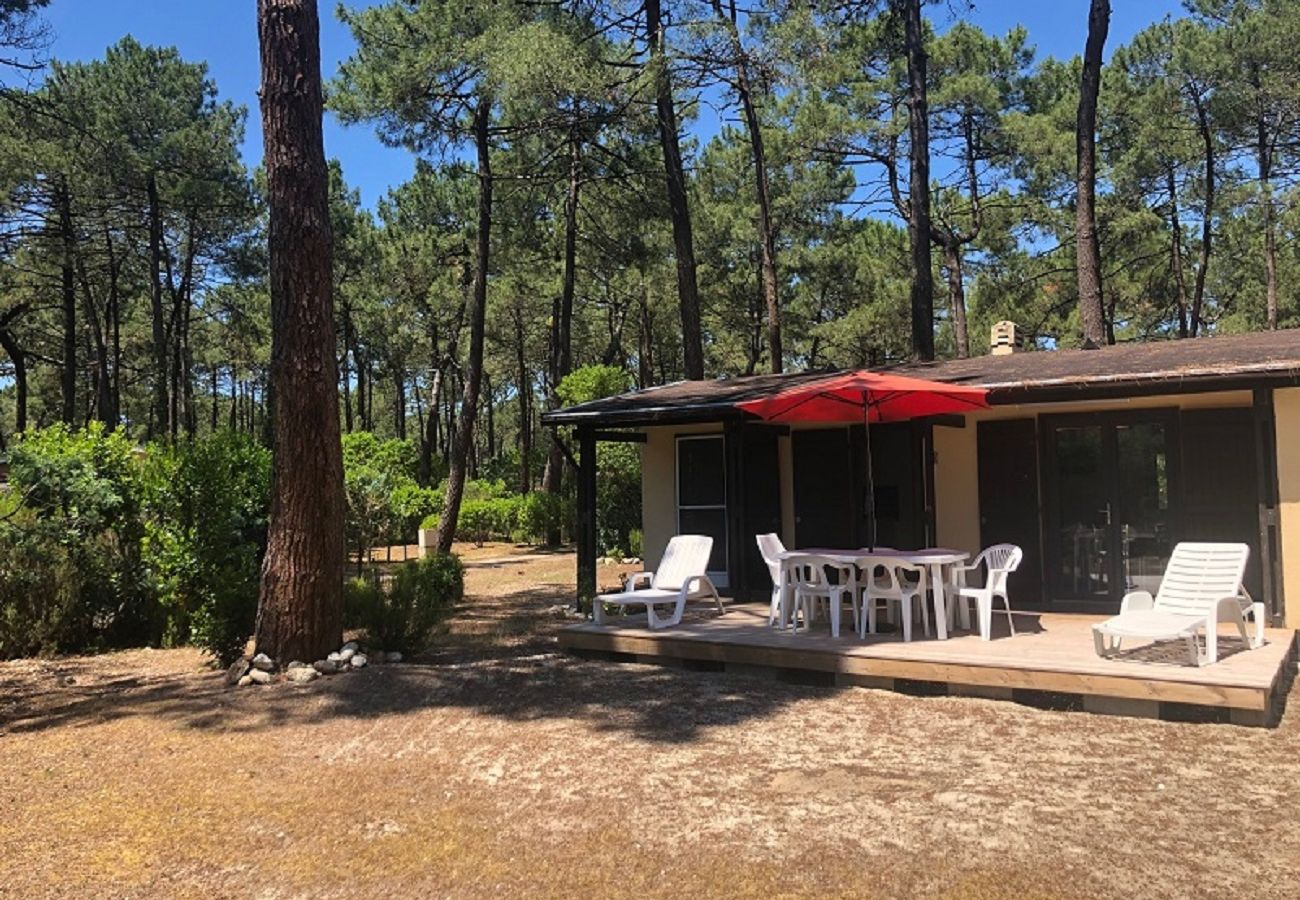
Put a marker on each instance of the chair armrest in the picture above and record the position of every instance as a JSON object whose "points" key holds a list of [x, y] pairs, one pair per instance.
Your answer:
{"points": [[1135, 601], [697, 582], [631, 583]]}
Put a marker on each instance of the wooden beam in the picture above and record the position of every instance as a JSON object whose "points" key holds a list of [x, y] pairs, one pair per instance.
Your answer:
{"points": [[627, 437], [1269, 521], [945, 420], [586, 514]]}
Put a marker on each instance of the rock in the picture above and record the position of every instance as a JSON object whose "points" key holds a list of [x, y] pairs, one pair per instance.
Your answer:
{"points": [[245, 680], [347, 653], [260, 676], [351, 645], [238, 669], [302, 674], [263, 663], [334, 657], [326, 666], [296, 664], [393, 656], [359, 660]]}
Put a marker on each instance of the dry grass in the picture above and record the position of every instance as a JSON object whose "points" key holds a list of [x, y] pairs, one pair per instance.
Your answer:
{"points": [[497, 766]]}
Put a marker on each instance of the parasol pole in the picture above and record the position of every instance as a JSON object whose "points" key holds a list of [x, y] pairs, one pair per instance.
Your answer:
{"points": [[871, 478]]}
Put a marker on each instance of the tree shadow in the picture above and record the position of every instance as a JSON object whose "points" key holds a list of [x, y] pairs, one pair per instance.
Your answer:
{"points": [[499, 658]]}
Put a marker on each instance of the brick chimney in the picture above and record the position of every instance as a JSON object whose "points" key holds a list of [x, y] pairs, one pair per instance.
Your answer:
{"points": [[1004, 339]]}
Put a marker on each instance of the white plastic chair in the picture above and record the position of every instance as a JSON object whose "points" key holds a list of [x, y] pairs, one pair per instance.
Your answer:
{"points": [[808, 577], [1000, 561], [770, 548], [902, 583], [679, 578], [1201, 588]]}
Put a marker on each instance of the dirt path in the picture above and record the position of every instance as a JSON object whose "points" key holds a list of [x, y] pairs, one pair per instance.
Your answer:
{"points": [[495, 765]]}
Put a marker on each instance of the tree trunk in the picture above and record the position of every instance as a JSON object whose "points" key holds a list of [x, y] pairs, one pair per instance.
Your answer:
{"points": [[158, 421], [688, 293], [952, 264], [300, 610], [1206, 129], [399, 402], [478, 309], [766, 230], [68, 370], [524, 391], [1264, 162], [1088, 249], [918, 203], [1176, 250], [18, 357]]}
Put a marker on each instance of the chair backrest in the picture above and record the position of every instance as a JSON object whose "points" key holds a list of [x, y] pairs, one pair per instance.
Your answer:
{"points": [[1200, 575], [685, 557], [808, 573], [769, 547], [1001, 560], [898, 575]]}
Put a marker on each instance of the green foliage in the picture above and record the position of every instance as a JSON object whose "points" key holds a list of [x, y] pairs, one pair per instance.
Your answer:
{"points": [[540, 514], [71, 576], [402, 613], [206, 516], [592, 383], [618, 496]]}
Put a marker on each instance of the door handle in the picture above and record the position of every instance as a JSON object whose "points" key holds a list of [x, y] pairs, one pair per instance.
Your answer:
{"points": [[1106, 511]]}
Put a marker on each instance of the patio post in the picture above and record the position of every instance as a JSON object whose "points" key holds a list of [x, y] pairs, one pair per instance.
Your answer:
{"points": [[585, 538]]}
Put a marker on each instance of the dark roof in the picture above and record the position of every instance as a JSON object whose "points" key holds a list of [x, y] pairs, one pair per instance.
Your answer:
{"points": [[1225, 362]]}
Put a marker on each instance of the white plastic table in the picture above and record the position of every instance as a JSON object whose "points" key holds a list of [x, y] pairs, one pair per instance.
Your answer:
{"points": [[935, 558]]}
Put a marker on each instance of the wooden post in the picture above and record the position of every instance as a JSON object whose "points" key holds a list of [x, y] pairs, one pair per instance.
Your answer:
{"points": [[586, 514], [737, 518], [1269, 539]]}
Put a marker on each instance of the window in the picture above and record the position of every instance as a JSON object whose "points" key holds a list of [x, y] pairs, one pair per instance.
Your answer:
{"points": [[702, 495]]}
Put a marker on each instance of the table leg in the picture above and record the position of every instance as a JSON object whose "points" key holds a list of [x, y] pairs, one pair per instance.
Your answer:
{"points": [[940, 606]]}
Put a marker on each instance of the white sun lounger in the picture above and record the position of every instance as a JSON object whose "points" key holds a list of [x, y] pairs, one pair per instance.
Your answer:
{"points": [[1201, 588], [679, 578]]}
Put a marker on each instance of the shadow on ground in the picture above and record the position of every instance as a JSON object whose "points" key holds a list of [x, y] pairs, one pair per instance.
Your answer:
{"points": [[497, 657]]}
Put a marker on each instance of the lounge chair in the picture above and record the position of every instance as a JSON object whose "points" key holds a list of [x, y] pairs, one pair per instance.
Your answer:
{"points": [[1201, 588], [679, 578]]}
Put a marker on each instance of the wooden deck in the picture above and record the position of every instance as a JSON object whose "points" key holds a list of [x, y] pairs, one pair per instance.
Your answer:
{"points": [[1050, 661]]}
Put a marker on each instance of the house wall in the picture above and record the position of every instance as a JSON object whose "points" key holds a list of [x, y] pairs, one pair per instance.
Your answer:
{"points": [[956, 471], [1286, 411], [659, 486]]}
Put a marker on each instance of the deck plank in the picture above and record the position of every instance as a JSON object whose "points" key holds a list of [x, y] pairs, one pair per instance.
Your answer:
{"points": [[1052, 652]]}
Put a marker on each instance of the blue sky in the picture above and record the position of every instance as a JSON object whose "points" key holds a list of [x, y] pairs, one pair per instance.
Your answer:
{"points": [[224, 34]]}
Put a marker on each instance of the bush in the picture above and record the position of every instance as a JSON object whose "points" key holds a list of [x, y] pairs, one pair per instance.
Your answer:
{"points": [[618, 495], [635, 542], [430, 521], [475, 521], [402, 614], [71, 576], [539, 513], [411, 506], [205, 535]]}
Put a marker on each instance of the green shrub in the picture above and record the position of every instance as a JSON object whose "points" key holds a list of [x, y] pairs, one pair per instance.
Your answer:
{"points": [[635, 542], [71, 576], [430, 521], [539, 513], [618, 495], [475, 521], [411, 506], [402, 614], [205, 535], [478, 489]]}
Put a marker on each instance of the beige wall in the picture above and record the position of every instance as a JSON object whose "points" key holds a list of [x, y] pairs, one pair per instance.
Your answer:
{"points": [[1286, 410], [659, 486]]}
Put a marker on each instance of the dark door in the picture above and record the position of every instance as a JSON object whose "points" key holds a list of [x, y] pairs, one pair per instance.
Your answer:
{"points": [[762, 504], [1220, 489], [1009, 507], [899, 481], [1112, 485], [823, 489]]}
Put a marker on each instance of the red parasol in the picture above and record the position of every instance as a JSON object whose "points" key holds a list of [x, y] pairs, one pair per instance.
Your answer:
{"points": [[867, 397]]}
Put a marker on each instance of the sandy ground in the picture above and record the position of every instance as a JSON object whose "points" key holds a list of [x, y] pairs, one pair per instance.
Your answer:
{"points": [[494, 765]]}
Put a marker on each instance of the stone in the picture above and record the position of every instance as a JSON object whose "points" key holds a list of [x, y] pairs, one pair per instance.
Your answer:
{"points": [[393, 656], [334, 657], [302, 674], [326, 666], [263, 663], [245, 681], [238, 669], [296, 664], [347, 653], [260, 676], [359, 660], [351, 645]]}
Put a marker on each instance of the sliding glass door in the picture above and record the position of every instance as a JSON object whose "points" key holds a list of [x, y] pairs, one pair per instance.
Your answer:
{"points": [[1109, 483]]}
